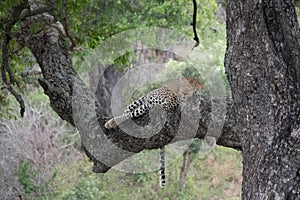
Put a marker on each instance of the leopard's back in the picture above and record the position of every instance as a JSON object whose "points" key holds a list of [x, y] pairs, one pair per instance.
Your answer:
{"points": [[163, 97]]}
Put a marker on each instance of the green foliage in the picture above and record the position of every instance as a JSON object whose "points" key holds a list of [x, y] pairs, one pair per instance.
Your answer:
{"points": [[194, 146], [104, 19], [140, 177], [78, 183], [6, 6], [217, 176], [26, 178], [6, 110], [123, 61], [86, 189]]}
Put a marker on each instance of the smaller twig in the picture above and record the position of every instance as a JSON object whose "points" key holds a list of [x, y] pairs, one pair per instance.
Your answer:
{"points": [[4, 86], [66, 24], [19, 99], [194, 24], [5, 66], [11, 21]]}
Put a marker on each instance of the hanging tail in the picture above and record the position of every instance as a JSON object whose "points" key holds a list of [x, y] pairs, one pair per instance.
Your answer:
{"points": [[162, 177]]}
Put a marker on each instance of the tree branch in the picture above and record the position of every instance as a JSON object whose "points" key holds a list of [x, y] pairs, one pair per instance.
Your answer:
{"points": [[66, 24], [5, 68], [194, 24], [19, 99]]}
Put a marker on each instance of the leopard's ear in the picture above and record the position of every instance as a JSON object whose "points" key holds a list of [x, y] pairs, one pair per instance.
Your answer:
{"points": [[181, 78]]}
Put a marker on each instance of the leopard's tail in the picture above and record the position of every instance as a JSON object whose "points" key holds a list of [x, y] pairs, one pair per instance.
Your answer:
{"points": [[162, 176]]}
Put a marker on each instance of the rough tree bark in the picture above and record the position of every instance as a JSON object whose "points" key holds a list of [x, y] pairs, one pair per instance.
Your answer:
{"points": [[263, 67]]}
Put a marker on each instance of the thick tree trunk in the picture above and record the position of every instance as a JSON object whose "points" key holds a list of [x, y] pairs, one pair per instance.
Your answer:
{"points": [[263, 67]]}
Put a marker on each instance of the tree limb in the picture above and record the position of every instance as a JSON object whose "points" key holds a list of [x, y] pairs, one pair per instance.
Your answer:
{"points": [[19, 99], [5, 68], [194, 24], [66, 24]]}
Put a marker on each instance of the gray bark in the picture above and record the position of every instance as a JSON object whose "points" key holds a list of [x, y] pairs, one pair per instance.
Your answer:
{"points": [[105, 81], [263, 68]]}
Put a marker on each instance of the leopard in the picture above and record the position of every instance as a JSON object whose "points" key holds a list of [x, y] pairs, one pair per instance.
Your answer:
{"points": [[169, 97]]}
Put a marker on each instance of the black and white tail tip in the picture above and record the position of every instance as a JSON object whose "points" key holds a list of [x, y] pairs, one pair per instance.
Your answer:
{"points": [[162, 177]]}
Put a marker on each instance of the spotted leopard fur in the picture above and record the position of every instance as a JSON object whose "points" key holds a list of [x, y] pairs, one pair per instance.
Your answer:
{"points": [[168, 96]]}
